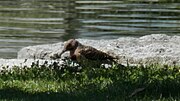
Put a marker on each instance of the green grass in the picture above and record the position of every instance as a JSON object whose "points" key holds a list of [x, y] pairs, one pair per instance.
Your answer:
{"points": [[52, 83]]}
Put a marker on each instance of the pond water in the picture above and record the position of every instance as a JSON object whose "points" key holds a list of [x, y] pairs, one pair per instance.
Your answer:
{"points": [[31, 22]]}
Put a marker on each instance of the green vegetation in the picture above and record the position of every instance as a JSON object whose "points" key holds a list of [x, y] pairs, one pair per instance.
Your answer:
{"points": [[54, 83]]}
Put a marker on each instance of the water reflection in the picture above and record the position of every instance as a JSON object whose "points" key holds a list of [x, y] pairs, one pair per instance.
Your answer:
{"points": [[32, 22]]}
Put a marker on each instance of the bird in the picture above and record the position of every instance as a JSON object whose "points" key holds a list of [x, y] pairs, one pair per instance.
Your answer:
{"points": [[86, 55]]}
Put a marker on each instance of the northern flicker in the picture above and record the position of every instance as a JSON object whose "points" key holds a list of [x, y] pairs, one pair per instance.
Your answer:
{"points": [[86, 55]]}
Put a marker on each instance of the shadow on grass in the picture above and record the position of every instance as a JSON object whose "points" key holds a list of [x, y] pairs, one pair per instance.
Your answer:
{"points": [[19, 95], [115, 84], [15, 94], [115, 92]]}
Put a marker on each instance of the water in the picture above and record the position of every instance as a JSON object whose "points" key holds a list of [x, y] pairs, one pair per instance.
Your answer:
{"points": [[31, 22]]}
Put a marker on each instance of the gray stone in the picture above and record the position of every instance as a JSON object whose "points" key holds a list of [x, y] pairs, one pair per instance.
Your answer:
{"points": [[155, 48], [39, 51]]}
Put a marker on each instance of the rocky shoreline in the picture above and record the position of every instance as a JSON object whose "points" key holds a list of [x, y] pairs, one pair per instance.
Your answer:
{"points": [[154, 48]]}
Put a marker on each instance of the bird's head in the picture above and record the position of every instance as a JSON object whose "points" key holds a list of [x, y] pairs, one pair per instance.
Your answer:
{"points": [[70, 45]]}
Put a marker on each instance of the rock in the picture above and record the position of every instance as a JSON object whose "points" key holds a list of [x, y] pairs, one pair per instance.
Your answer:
{"points": [[39, 51], [155, 48]]}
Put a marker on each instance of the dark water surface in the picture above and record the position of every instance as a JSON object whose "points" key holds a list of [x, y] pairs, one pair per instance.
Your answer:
{"points": [[32, 22]]}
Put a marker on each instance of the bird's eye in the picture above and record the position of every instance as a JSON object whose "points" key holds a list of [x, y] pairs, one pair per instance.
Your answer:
{"points": [[71, 48], [68, 46]]}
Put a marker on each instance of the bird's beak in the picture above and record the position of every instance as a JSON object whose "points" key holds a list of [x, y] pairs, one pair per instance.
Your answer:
{"points": [[62, 52]]}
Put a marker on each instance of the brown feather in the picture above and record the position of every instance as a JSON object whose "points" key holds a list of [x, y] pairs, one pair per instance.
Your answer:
{"points": [[94, 54]]}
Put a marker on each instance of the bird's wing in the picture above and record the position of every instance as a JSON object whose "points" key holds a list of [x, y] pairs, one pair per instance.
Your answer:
{"points": [[94, 54]]}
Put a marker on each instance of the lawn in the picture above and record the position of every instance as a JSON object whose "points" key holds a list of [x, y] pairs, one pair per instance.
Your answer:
{"points": [[119, 83]]}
